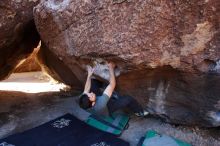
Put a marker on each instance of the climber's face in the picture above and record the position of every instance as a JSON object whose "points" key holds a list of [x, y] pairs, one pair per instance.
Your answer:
{"points": [[92, 96]]}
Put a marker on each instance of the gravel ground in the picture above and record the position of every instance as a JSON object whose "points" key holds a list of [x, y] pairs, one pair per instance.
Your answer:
{"points": [[193, 135]]}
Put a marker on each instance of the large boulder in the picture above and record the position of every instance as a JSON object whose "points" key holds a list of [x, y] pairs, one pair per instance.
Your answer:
{"points": [[138, 36], [18, 35]]}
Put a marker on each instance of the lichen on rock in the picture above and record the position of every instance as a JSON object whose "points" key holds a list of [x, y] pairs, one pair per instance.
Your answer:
{"points": [[196, 41]]}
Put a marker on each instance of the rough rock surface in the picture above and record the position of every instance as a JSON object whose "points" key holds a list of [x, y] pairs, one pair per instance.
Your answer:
{"points": [[177, 97], [138, 35], [29, 64], [56, 69], [18, 35]]}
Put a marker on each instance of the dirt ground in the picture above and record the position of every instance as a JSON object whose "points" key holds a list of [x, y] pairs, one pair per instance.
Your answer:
{"points": [[21, 111]]}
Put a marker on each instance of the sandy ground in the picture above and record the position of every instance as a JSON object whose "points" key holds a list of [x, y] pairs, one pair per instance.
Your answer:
{"points": [[21, 111]]}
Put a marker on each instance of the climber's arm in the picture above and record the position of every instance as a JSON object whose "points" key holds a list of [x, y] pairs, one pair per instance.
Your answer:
{"points": [[112, 82], [88, 80]]}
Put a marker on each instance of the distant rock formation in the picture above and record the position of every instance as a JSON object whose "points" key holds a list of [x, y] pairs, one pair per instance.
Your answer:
{"points": [[29, 64]]}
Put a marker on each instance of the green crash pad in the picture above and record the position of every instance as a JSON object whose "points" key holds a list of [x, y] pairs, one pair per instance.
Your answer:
{"points": [[114, 124], [152, 138]]}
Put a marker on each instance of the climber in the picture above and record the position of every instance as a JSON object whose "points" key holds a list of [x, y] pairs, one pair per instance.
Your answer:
{"points": [[102, 100]]}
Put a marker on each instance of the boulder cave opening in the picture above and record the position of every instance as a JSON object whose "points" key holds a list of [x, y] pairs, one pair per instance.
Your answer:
{"points": [[29, 77]]}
